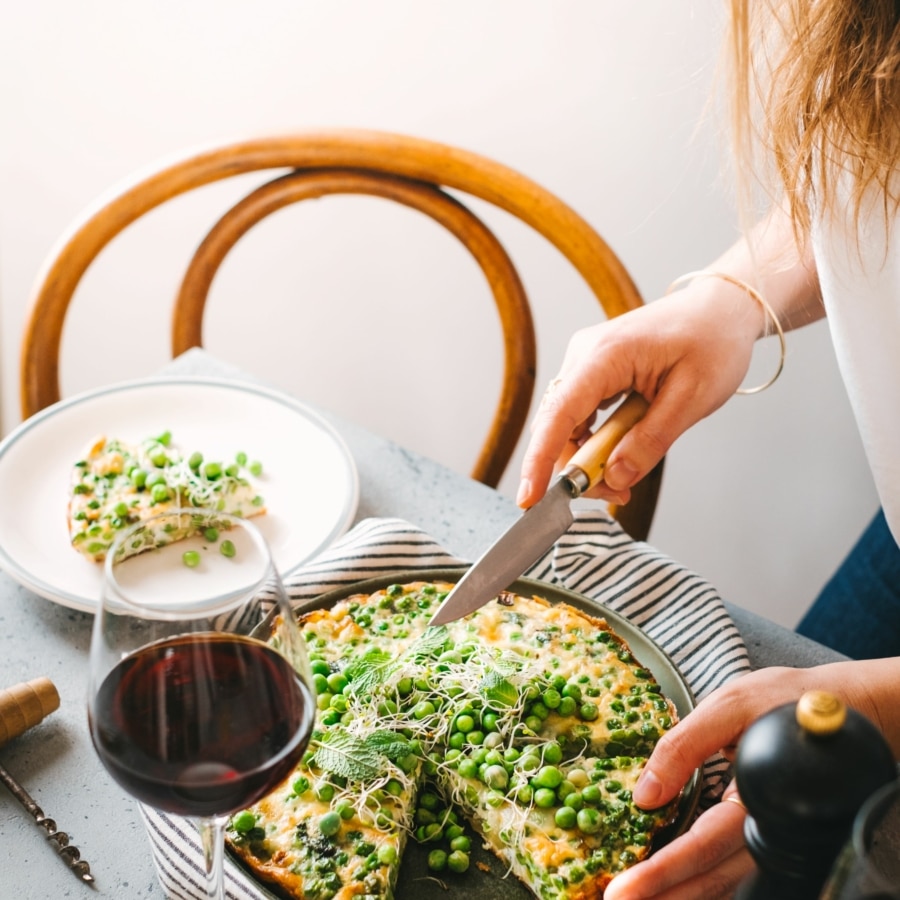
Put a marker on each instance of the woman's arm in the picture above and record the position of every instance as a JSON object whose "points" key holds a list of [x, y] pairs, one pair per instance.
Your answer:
{"points": [[686, 353]]}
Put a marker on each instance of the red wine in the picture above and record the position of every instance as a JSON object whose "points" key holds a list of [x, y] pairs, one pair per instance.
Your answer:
{"points": [[202, 724]]}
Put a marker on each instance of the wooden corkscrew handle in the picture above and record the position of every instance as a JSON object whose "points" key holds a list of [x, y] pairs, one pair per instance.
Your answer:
{"points": [[25, 705]]}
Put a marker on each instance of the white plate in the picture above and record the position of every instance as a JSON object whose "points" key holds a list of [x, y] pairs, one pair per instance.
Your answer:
{"points": [[309, 480]]}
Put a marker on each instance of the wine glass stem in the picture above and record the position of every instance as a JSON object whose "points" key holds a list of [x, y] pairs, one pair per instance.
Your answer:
{"points": [[212, 839]]}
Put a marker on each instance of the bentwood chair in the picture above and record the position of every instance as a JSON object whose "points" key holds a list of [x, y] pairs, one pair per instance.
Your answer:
{"points": [[307, 165]]}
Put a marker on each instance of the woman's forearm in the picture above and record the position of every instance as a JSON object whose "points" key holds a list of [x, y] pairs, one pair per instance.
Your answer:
{"points": [[785, 274]]}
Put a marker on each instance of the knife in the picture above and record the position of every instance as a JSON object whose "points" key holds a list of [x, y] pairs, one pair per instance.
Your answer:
{"points": [[538, 528]]}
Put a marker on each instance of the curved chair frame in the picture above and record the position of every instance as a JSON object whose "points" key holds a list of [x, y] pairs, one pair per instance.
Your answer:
{"points": [[409, 170]]}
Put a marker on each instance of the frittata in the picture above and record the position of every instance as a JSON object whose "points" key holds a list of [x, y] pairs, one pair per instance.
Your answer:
{"points": [[530, 721]]}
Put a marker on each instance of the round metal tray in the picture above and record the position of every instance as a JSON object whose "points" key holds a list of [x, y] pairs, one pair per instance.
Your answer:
{"points": [[487, 877]]}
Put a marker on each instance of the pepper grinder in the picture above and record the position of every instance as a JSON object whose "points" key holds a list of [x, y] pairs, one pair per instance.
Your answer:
{"points": [[803, 771]]}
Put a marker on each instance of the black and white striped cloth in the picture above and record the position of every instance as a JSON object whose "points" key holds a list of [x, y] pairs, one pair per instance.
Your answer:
{"points": [[595, 558]]}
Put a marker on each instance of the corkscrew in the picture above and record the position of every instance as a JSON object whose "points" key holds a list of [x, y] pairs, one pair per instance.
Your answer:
{"points": [[22, 707]]}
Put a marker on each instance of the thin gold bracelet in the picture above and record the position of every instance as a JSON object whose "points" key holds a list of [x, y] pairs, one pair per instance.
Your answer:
{"points": [[755, 294]]}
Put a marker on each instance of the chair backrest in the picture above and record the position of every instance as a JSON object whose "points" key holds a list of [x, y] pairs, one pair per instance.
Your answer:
{"points": [[408, 170]]}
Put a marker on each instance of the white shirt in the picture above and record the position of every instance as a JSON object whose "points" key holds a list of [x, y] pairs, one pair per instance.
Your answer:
{"points": [[860, 282]]}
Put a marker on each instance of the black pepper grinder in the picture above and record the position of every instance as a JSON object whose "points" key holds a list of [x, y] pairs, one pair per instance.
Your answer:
{"points": [[803, 770]]}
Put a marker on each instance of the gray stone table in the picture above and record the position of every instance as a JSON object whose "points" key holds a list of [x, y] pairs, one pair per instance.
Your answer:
{"points": [[55, 760]]}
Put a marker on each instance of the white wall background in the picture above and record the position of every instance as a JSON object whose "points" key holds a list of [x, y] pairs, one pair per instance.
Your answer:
{"points": [[359, 306]]}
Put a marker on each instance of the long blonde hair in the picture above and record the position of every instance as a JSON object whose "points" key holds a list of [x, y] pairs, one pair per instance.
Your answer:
{"points": [[816, 87]]}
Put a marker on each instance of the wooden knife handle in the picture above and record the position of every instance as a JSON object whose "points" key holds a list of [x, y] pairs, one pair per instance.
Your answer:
{"points": [[592, 455]]}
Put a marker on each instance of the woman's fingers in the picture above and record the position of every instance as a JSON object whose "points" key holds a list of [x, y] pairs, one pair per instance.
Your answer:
{"points": [[565, 415], [709, 861], [716, 723]]}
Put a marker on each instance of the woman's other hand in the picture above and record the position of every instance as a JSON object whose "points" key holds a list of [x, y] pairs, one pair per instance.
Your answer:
{"points": [[710, 860]]}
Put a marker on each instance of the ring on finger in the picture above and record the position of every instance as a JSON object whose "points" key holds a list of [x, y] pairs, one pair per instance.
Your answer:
{"points": [[551, 387], [734, 798]]}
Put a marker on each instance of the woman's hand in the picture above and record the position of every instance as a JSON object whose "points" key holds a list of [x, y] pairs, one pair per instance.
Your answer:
{"points": [[709, 861], [686, 354]]}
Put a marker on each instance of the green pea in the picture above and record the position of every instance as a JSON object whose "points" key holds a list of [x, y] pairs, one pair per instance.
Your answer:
{"points": [[544, 798], [458, 861], [465, 723], [525, 794], [337, 682], [591, 794], [566, 817], [567, 706], [551, 699], [565, 789], [320, 667], [468, 768], [437, 860], [423, 709], [553, 753], [325, 792], [211, 534], [227, 549], [300, 785], [496, 777], [191, 558], [387, 854], [255, 468], [159, 493], [547, 777], [344, 808], [330, 823], [573, 691], [461, 842], [244, 822], [589, 820], [212, 471], [588, 711], [195, 460]]}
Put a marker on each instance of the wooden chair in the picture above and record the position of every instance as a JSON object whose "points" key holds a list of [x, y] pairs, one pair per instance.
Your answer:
{"points": [[307, 165]]}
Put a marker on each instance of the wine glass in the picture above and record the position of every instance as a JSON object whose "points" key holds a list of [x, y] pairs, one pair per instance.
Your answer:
{"points": [[199, 699], [869, 866]]}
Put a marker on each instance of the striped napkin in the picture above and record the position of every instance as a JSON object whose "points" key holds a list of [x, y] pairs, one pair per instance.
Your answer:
{"points": [[595, 558]]}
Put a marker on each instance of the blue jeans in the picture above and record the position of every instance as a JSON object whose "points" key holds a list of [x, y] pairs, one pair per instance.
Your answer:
{"points": [[858, 611]]}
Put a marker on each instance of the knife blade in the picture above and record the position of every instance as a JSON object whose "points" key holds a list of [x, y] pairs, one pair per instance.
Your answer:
{"points": [[538, 528]]}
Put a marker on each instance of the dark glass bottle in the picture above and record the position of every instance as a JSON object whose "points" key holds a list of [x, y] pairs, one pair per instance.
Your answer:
{"points": [[803, 771]]}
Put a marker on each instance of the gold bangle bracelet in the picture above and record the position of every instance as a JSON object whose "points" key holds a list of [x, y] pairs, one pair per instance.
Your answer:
{"points": [[755, 294]]}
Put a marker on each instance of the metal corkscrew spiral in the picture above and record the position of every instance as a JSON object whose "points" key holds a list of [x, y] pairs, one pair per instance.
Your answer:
{"points": [[21, 707]]}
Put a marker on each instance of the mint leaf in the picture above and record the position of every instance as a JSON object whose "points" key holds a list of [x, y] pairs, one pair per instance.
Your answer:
{"points": [[387, 743], [430, 643], [371, 669], [497, 690], [346, 755], [358, 758]]}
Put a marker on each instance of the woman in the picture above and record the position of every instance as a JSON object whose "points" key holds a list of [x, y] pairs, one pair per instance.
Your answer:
{"points": [[828, 75]]}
